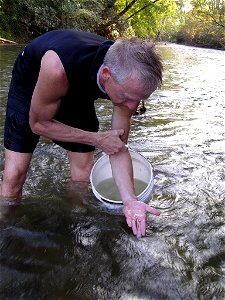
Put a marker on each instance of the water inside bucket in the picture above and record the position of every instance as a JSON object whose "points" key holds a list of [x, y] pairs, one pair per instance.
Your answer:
{"points": [[108, 189]]}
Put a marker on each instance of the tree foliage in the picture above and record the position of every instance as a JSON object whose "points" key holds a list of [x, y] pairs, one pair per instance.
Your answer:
{"points": [[143, 17], [107, 17], [212, 11], [155, 19], [30, 18], [205, 24]]}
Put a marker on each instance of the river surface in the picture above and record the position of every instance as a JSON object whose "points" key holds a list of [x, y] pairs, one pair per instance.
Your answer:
{"points": [[62, 243]]}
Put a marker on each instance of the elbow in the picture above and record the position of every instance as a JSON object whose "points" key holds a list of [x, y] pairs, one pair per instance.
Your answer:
{"points": [[37, 127]]}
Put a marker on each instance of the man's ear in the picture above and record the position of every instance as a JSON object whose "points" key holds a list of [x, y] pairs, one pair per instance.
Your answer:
{"points": [[106, 73]]}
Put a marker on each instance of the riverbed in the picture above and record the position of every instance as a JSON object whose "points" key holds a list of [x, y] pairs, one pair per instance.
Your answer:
{"points": [[62, 243]]}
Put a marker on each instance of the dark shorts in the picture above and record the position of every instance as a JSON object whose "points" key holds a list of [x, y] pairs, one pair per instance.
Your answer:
{"points": [[19, 137]]}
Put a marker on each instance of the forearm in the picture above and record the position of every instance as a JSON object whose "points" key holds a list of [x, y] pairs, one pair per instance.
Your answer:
{"points": [[122, 171], [55, 130], [108, 141], [121, 162]]}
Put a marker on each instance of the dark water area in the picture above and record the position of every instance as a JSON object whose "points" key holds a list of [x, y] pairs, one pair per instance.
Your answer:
{"points": [[62, 243]]}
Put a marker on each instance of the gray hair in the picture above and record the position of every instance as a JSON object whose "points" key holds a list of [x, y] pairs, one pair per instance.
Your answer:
{"points": [[135, 58]]}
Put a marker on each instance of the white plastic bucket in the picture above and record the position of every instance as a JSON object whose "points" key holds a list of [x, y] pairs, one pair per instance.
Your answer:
{"points": [[142, 170]]}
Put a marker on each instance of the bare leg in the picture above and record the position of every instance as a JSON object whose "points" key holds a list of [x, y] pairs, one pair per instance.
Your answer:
{"points": [[80, 165], [16, 167], [80, 169]]}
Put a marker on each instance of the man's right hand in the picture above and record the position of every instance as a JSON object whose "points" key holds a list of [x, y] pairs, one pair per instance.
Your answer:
{"points": [[111, 142]]}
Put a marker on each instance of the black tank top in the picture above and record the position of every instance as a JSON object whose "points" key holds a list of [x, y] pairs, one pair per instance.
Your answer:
{"points": [[81, 54]]}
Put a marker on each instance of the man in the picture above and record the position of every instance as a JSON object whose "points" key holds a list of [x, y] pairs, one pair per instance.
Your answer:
{"points": [[55, 81]]}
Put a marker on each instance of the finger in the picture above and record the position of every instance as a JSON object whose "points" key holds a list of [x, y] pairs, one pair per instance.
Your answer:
{"points": [[138, 224], [143, 227], [129, 221], [152, 210], [134, 227]]}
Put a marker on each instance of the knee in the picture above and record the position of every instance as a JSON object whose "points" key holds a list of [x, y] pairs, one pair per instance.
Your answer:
{"points": [[12, 184], [14, 178], [80, 166], [15, 171], [81, 174]]}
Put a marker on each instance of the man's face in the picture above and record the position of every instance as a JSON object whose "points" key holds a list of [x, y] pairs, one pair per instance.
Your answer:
{"points": [[127, 94]]}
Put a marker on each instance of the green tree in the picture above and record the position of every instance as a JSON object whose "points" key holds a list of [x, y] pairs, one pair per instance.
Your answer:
{"points": [[204, 24], [153, 20], [142, 17], [158, 19], [30, 18], [210, 11]]}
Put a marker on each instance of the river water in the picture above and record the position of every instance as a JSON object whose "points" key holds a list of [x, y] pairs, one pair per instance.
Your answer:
{"points": [[62, 243]]}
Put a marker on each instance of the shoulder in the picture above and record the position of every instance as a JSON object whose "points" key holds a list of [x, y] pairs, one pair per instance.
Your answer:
{"points": [[51, 59], [52, 69], [52, 64]]}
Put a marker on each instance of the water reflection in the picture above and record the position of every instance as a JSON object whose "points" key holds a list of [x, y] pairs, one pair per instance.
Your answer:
{"points": [[61, 243]]}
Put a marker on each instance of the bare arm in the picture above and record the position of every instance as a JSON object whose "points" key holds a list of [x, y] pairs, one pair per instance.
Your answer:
{"points": [[135, 211], [52, 84], [121, 162]]}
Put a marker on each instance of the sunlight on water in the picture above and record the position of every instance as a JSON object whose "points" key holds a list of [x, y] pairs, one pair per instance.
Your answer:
{"points": [[62, 243]]}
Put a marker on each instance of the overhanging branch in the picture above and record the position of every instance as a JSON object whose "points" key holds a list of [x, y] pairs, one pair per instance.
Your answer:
{"points": [[124, 11]]}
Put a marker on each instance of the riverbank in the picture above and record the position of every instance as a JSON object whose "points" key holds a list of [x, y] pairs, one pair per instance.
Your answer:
{"points": [[6, 41], [215, 47]]}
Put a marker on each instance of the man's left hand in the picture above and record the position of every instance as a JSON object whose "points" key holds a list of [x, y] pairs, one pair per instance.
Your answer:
{"points": [[135, 213]]}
